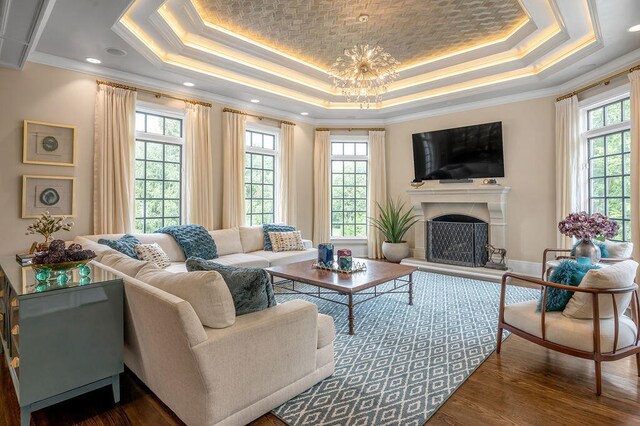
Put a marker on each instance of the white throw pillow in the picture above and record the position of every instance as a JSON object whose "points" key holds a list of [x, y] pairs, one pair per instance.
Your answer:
{"points": [[619, 275], [152, 253], [286, 241], [206, 291], [619, 249]]}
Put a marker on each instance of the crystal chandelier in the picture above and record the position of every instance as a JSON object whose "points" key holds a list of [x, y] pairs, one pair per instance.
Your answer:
{"points": [[364, 72]]}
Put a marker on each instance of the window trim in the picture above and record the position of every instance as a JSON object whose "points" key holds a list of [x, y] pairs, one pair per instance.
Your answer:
{"points": [[164, 111], [276, 153], [616, 94], [356, 240]]}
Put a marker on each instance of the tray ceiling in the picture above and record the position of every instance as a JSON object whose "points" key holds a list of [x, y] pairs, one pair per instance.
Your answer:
{"points": [[412, 30]]}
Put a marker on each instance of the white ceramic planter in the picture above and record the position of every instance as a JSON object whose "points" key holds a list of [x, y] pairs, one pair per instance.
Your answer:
{"points": [[395, 252]]}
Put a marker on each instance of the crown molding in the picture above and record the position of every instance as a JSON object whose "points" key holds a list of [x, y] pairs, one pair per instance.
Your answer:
{"points": [[160, 85], [609, 68]]}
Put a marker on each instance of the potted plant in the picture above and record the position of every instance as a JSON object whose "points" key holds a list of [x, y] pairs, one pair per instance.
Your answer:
{"points": [[394, 222], [585, 228], [46, 226]]}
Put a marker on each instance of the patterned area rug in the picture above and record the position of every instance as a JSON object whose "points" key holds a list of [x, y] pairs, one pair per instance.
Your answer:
{"points": [[404, 361]]}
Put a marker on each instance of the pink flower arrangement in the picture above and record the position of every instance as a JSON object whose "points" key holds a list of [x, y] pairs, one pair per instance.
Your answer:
{"points": [[584, 226]]}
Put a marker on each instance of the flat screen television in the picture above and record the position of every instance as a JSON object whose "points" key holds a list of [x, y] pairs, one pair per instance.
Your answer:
{"points": [[460, 153]]}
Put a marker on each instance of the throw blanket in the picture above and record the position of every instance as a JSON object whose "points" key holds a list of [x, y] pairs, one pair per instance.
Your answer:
{"points": [[194, 240]]}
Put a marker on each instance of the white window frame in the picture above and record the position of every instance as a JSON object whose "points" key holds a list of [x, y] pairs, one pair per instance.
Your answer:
{"points": [[276, 152], [349, 138], [613, 95], [164, 111]]}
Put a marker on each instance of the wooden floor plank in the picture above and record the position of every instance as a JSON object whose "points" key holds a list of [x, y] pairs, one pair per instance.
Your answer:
{"points": [[525, 385]]}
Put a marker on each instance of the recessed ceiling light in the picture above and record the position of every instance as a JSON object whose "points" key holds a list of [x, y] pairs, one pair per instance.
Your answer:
{"points": [[188, 84], [93, 60], [116, 52], [634, 29], [255, 101], [304, 113]]}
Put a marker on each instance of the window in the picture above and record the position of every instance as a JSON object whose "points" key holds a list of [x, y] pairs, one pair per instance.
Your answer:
{"points": [[608, 139], [259, 177], [158, 171], [349, 179]]}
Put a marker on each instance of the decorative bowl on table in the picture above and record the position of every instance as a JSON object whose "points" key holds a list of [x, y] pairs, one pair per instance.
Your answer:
{"points": [[57, 261]]}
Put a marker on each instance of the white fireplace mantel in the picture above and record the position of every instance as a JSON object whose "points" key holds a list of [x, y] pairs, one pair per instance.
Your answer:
{"points": [[490, 197]]}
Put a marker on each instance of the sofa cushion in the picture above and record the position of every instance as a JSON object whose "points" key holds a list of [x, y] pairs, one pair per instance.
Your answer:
{"points": [[193, 239], [252, 238], [286, 241], [206, 291], [176, 267], [619, 249], [619, 275], [227, 241], [250, 288], [571, 332], [123, 263], [152, 253], [326, 330], [284, 257], [123, 244], [273, 227], [241, 259]]}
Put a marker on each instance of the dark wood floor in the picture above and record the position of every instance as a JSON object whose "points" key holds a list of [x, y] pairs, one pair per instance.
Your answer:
{"points": [[525, 385]]}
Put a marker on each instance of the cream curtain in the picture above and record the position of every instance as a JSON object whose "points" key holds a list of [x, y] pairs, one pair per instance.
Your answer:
{"points": [[568, 155], [377, 189], [287, 175], [321, 188], [113, 171], [634, 77], [233, 134], [198, 166]]}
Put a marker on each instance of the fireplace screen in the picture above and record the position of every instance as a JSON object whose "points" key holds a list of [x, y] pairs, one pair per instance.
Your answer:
{"points": [[457, 240]]}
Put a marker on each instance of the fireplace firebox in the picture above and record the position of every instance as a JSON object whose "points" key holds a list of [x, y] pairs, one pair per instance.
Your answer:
{"points": [[457, 239]]}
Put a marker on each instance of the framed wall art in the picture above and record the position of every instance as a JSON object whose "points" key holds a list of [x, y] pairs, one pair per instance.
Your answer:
{"points": [[50, 144], [53, 194]]}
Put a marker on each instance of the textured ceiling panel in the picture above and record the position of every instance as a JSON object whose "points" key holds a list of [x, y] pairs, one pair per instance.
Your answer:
{"points": [[318, 31]]}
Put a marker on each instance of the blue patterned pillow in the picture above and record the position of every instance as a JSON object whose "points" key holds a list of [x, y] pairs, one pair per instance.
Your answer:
{"points": [[568, 272], [124, 244], [194, 240], [272, 227]]}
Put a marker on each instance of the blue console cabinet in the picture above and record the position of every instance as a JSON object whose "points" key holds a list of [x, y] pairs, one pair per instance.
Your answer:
{"points": [[60, 341]]}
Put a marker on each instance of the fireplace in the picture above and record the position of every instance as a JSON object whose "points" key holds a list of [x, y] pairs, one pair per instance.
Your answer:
{"points": [[457, 239]]}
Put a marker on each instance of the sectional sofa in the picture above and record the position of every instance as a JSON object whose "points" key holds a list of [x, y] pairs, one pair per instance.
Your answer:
{"points": [[236, 369]]}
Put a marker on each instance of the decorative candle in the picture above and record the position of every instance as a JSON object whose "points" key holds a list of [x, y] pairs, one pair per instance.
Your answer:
{"points": [[325, 253], [345, 261]]}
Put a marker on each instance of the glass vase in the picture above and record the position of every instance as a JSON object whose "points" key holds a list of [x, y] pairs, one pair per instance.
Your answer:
{"points": [[587, 248]]}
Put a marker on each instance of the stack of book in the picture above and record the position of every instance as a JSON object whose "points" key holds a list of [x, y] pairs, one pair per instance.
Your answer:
{"points": [[25, 258]]}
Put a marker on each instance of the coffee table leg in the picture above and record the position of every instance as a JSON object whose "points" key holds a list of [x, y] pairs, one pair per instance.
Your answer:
{"points": [[350, 306], [411, 289]]}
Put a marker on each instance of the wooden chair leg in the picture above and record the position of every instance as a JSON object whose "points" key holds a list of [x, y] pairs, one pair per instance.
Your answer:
{"points": [[499, 344], [638, 363], [598, 378]]}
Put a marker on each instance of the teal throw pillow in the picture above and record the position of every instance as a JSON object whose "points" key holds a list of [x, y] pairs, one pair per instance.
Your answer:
{"points": [[194, 240], [568, 272], [250, 288], [604, 253], [272, 227], [124, 244]]}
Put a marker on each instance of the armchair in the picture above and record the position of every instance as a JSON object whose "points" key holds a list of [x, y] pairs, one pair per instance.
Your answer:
{"points": [[600, 340]]}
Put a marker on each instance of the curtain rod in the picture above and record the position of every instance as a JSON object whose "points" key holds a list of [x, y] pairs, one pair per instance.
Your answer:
{"points": [[604, 81], [152, 92], [349, 129], [259, 117]]}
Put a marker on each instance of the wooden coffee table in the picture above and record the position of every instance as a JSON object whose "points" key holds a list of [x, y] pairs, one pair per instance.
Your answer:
{"points": [[345, 284]]}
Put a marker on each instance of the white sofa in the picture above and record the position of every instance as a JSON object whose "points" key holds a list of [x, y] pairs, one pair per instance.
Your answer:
{"points": [[218, 376]]}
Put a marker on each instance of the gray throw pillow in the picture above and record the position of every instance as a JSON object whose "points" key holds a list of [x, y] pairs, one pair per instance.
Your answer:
{"points": [[250, 288]]}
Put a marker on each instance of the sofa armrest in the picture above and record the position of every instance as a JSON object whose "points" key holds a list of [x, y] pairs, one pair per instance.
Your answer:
{"points": [[262, 353], [307, 244]]}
